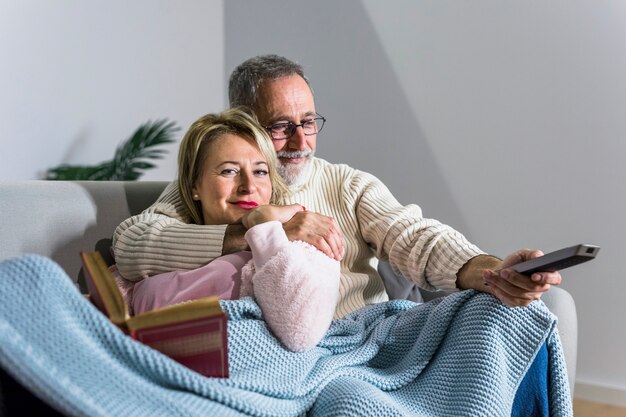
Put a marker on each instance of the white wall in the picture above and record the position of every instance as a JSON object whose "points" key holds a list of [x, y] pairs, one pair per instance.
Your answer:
{"points": [[77, 78], [504, 119]]}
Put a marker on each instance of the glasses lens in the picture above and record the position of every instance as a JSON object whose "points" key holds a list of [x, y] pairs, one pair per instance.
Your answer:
{"points": [[310, 127], [319, 124], [281, 130]]}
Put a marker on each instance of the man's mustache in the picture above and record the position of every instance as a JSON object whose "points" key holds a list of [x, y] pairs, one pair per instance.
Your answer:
{"points": [[294, 154]]}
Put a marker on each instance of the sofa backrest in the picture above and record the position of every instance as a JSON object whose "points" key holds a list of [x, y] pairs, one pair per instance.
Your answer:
{"points": [[59, 219]]}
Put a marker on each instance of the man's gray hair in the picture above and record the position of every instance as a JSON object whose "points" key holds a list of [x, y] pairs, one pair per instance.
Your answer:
{"points": [[245, 80]]}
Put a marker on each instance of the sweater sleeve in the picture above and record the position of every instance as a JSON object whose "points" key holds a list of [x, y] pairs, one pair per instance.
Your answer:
{"points": [[296, 286], [162, 239], [423, 250], [265, 240]]}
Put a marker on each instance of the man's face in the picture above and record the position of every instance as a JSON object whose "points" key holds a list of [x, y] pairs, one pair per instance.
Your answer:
{"points": [[289, 99]]}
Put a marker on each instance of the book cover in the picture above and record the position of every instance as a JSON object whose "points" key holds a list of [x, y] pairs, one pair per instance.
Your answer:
{"points": [[192, 333]]}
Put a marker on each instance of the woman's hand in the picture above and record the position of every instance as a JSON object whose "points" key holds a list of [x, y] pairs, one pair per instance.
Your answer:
{"points": [[270, 212]]}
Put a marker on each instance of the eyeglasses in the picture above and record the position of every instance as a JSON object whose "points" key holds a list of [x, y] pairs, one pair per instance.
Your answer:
{"points": [[285, 130]]}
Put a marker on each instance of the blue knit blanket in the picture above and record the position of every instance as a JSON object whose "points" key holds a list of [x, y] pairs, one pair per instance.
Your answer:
{"points": [[461, 356]]}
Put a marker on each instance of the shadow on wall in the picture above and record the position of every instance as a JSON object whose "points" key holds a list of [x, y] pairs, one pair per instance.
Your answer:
{"points": [[370, 122]]}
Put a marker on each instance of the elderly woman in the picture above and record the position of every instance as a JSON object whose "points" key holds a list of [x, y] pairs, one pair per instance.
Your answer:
{"points": [[227, 175]]}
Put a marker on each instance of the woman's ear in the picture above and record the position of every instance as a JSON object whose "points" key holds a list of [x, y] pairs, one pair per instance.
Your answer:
{"points": [[195, 194]]}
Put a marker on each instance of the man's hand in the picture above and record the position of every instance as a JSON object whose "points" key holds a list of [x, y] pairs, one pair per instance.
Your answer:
{"points": [[515, 289], [490, 274], [317, 230]]}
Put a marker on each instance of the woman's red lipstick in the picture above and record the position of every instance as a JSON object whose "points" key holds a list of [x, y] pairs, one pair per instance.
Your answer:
{"points": [[246, 204]]}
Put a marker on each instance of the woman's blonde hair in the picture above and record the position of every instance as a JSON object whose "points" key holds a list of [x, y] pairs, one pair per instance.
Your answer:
{"points": [[197, 142]]}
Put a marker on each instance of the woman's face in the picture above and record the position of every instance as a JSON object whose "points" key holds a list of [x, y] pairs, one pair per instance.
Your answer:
{"points": [[235, 179]]}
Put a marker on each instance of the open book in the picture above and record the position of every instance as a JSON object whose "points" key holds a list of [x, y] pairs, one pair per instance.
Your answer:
{"points": [[192, 333]]}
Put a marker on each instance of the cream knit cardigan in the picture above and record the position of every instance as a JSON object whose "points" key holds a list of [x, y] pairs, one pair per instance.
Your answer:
{"points": [[374, 224]]}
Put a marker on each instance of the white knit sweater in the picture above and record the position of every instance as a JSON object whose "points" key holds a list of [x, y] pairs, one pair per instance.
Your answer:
{"points": [[374, 225]]}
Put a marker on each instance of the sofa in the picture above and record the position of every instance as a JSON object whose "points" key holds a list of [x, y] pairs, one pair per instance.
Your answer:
{"points": [[58, 219]]}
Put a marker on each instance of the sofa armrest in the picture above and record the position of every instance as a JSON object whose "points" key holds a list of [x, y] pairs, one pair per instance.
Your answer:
{"points": [[561, 303], [59, 219]]}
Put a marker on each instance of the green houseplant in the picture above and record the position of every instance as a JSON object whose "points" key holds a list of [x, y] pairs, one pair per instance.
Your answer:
{"points": [[131, 158]]}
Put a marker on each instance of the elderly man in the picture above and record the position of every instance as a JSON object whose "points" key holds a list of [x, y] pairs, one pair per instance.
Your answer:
{"points": [[350, 214]]}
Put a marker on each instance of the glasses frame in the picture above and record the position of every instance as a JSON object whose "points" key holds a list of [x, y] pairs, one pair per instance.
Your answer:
{"points": [[293, 127]]}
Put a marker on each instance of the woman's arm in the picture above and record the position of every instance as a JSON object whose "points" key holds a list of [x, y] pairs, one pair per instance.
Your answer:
{"points": [[296, 285]]}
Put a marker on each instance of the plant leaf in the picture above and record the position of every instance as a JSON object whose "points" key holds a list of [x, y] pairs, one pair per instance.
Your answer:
{"points": [[130, 159], [69, 172]]}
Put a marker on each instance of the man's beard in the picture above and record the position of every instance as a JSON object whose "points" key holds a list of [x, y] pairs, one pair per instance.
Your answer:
{"points": [[294, 174]]}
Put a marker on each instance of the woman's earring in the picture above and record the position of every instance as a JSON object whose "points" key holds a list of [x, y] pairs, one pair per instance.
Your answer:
{"points": [[196, 197]]}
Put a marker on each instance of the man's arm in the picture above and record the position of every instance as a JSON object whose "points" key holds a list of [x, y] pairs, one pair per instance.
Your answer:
{"points": [[471, 275], [422, 250], [435, 255], [161, 240], [234, 240]]}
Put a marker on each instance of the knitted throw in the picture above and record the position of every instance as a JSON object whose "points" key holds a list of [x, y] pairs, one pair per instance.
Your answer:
{"points": [[463, 355]]}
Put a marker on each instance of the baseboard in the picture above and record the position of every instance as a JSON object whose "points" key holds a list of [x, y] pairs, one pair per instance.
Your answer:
{"points": [[600, 394]]}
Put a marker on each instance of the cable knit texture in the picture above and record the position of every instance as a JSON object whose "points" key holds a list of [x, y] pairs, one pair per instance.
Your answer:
{"points": [[463, 355], [422, 250]]}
